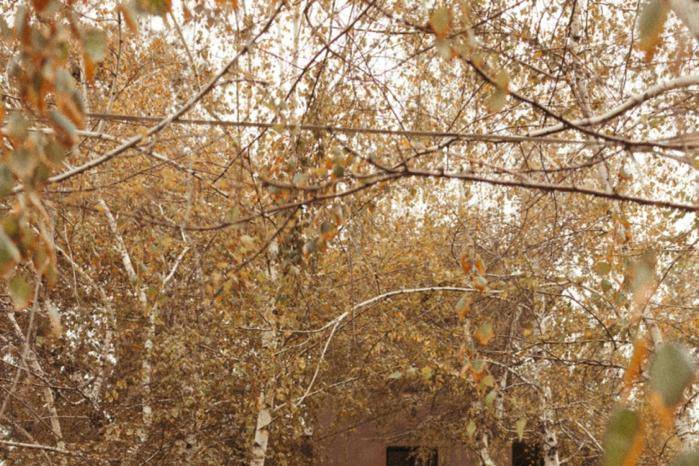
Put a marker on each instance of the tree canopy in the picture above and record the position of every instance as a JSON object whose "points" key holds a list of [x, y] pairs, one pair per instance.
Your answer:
{"points": [[221, 219]]}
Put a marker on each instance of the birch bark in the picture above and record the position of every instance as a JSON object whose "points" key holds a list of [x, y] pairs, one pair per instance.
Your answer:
{"points": [[265, 403]]}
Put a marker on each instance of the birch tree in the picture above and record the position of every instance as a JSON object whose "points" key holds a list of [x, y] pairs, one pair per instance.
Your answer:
{"points": [[221, 218]]}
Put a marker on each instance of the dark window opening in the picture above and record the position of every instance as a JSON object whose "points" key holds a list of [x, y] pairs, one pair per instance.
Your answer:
{"points": [[527, 454], [411, 456]]}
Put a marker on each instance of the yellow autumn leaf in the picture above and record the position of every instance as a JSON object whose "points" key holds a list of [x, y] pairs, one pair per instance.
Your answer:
{"points": [[439, 21]]}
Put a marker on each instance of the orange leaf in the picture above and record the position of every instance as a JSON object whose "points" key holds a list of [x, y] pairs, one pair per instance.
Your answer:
{"points": [[463, 307], [89, 68], [484, 334], [466, 264], [650, 26], [40, 4], [666, 414], [480, 266], [636, 449], [67, 106], [439, 22], [480, 283], [187, 14], [640, 353], [129, 17]]}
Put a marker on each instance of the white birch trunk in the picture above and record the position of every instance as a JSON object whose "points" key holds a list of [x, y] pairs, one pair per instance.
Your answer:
{"points": [[484, 453], [500, 398], [146, 366], [269, 338], [49, 399], [550, 438], [266, 399], [107, 312], [264, 419], [152, 316]]}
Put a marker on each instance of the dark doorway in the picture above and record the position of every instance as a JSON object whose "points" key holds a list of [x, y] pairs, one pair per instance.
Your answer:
{"points": [[411, 456], [526, 454]]}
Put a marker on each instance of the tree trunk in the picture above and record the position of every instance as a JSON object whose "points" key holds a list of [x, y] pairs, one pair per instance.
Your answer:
{"points": [[264, 419], [550, 440], [486, 460], [146, 366], [49, 399], [266, 398]]}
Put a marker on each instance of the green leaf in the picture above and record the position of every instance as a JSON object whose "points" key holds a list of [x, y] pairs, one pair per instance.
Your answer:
{"points": [[95, 45], [20, 291], [326, 227], [6, 181], [64, 81], [490, 398], [22, 162], [477, 365], [496, 101], [311, 246], [153, 7], [463, 306], [470, 428], [606, 285], [443, 48], [395, 375], [426, 373], [300, 179], [485, 333], [17, 127], [66, 131], [233, 215], [519, 427], [602, 268], [687, 459], [9, 254], [621, 440], [54, 152], [5, 29], [670, 373], [650, 25], [41, 173], [488, 381], [338, 171], [439, 21]]}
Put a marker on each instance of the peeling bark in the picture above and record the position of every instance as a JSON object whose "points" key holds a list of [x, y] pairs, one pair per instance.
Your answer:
{"points": [[484, 453], [550, 440], [266, 398], [146, 365], [264, 419], [265, 401]]}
